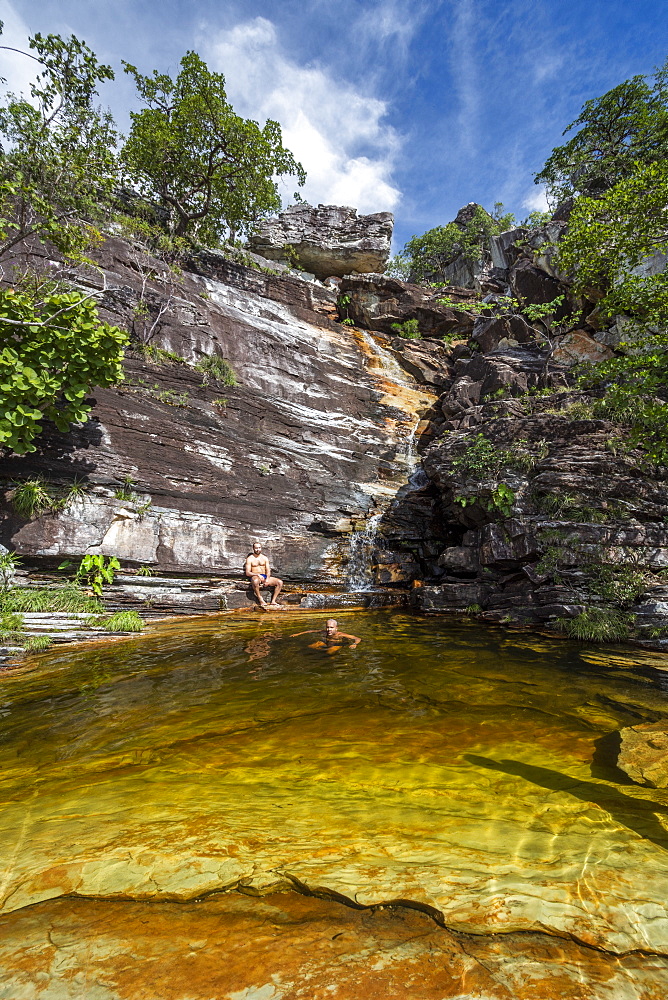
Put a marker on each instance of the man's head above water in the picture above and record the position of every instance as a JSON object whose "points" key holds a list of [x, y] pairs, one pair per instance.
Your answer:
{"points": [[331, 626]]}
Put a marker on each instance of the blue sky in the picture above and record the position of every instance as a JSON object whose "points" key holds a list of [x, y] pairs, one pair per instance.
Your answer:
{"points": [[412, 106]]}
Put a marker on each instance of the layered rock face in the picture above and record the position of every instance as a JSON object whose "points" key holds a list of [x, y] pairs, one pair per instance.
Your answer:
{"points": [[309, 441], [328, 241]]}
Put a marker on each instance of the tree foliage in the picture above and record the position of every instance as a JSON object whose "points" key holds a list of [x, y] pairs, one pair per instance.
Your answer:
{"points": [[213, 170], [610, 238], [428, 255], [628, 125], [54, 349], [57, 150], [608, 246], [56, 170]]}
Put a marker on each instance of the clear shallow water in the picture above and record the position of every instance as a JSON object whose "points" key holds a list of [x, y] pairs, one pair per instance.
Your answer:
{"points": [[467, 769]]}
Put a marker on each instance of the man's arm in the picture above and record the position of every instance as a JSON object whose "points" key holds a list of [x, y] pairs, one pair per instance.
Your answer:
{"points": [[247, 568], [309, 631], [344, 635]]}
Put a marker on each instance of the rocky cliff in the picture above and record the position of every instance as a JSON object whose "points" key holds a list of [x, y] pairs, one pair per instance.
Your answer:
{"points": [[180, 471], [549, 511], [529, 505]]}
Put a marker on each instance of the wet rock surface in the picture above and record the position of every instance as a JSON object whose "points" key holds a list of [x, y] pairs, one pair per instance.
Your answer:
{"points": [[329, 240], [289, 947], [377, 302]]}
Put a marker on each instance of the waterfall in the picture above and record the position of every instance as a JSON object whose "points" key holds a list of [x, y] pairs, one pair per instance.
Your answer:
{"points": [[362, 544], [359, 574]]}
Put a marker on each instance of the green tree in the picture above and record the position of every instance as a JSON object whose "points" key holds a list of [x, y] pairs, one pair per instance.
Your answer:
{"points": [[212, 170], [56, 151], [627, 125], [610, 237], [428, 255], [53, 350], [608, 245], [56, 171]]}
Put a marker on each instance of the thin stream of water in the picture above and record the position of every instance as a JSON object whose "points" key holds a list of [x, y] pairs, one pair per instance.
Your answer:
{"points": [[363, 541]]}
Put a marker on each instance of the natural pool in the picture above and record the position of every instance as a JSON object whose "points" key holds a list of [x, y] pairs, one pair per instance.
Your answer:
{"points": [[465, 769]]}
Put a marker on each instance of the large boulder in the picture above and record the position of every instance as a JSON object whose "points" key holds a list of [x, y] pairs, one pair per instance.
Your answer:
{"points": [[328, 241]]}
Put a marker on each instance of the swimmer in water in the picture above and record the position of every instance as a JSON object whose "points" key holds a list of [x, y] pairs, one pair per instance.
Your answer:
{"points": [[332, 640]]}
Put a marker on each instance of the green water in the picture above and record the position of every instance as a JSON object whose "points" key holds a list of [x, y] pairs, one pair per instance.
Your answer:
{"points": [[468, 769]]}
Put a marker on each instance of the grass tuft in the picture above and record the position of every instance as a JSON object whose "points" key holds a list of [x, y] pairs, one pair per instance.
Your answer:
{"points": [[123, 621], [37, 643], [598, 625], [66, 598], [215, 367], [11, 625]]}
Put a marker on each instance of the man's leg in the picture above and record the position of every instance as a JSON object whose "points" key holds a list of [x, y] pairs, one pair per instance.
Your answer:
{"points": [[277, 584], [256, 583]]}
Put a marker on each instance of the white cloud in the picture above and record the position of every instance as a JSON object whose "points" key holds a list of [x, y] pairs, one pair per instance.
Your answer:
{"points": [[337, 133], [536, 200], [18, 70], [464, 35]]}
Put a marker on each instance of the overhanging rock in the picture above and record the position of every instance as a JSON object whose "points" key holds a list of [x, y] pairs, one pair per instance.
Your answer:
{"points": [[329, 240]]}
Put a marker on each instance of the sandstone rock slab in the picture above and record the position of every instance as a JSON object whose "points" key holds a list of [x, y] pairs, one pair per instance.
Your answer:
{"points": [[329, 240]]}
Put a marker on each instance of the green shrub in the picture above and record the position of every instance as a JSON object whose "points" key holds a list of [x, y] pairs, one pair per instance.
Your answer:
{"points": [[217, 368], [144, 571], [482, 459], [97, 570], [409, 330], [598, 625], [619, 584], [571, 508]]}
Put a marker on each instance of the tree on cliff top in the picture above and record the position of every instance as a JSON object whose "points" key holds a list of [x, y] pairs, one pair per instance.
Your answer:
{"points": [[212, 170], [426, 256], [627, 125], [614, 243], [57, 149]]}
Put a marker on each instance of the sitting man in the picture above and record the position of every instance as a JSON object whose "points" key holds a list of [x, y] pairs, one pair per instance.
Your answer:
{"points": [[258, 571]]}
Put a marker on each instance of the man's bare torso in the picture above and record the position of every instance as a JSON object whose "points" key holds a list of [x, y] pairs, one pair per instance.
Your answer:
{"points": [[258, 564]]}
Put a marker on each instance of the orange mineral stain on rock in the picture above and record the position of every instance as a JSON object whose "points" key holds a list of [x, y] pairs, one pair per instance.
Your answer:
{"points": [[289, 947]]}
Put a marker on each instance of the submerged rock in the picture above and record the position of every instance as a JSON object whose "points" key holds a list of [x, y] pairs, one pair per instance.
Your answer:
{"points": [[643, 754]]}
